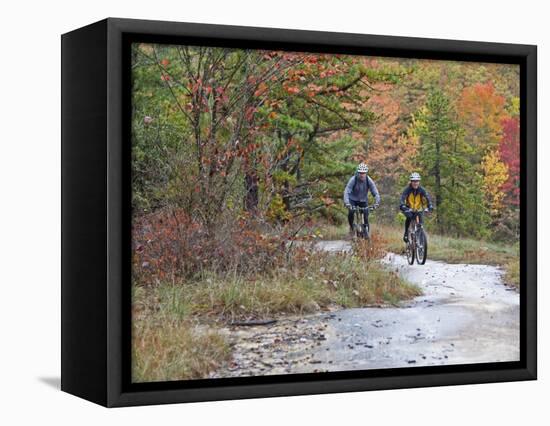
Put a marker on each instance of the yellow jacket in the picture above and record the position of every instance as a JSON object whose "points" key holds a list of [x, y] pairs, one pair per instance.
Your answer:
{"points": [[416, 199]]}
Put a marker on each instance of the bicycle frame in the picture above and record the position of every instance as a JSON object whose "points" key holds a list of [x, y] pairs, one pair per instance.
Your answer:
{"points": [[362, 229], [416, 218], [412, 247]]}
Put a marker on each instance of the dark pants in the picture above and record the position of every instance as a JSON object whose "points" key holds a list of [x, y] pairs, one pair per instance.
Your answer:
{"points": [[409, 217], [351, 213]]}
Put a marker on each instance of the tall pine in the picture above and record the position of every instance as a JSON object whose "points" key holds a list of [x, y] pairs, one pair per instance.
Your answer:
{"points": [[443, 159]]}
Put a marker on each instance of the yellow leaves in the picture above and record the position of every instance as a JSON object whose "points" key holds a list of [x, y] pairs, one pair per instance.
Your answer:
{"points": [[495, 175], [514, 107], [277, 211]]}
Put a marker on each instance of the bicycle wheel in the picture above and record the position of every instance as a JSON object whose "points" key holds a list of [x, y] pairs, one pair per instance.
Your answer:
{"points": [[409, 249], [421, 247], [360, 225], [366, 232]]}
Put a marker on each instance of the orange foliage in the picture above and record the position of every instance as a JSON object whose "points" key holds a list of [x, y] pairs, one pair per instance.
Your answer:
{"points": [[481, 111], [389, 154]]}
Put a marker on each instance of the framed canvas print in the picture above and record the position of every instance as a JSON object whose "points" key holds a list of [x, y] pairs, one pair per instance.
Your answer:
{"points": [[254, 212]]}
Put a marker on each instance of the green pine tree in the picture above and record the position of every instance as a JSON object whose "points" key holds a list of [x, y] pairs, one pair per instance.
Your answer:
{"points": [[443, 159]]}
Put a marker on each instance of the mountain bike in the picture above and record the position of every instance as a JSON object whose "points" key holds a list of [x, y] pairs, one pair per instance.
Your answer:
{"points": [[360, 228], [417, 246]]}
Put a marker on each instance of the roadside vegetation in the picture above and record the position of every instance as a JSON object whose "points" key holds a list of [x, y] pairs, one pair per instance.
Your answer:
{"points": [[319, 281], [175, 321]]}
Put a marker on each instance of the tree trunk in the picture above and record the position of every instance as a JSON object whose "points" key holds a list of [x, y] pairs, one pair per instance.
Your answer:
{"points": [[251, 186]]}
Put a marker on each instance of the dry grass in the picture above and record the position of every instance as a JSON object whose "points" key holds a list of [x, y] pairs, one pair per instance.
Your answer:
{"points": [[456, 250], [325, 231], [511, 274], [470, 251], [167, 348], [343, 280], [306, 282]]}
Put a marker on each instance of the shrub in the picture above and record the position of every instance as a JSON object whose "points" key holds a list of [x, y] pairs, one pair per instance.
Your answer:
{"points": [[374, 249], [169, 245]]}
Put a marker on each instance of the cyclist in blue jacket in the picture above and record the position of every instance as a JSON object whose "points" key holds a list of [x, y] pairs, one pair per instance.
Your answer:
{"points": [[357, 191]]}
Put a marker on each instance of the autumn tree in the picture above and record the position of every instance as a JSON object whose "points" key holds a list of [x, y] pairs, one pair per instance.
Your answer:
{"points": [[443, 159], [205, 100], [389, 150], [510, 155], [316, 116], [495, 175], [481, 110]]}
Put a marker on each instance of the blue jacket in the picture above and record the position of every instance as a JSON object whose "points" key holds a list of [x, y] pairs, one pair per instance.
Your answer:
{"points": [[358, 191]]}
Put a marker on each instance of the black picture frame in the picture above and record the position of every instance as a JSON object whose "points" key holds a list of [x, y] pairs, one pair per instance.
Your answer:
{"points": [[96, 212]]}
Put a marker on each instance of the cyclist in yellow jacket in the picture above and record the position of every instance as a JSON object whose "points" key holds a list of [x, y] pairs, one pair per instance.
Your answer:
{"points": [[414, 197]]}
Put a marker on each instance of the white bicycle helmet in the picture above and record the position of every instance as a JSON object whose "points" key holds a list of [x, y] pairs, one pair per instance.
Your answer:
{"points": [[362, 168], [414, 177]]}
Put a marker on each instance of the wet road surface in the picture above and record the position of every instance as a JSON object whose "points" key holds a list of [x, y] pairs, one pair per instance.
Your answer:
{"points": [[465, 315]]}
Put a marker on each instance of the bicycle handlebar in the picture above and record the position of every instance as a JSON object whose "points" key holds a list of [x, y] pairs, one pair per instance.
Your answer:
{"points": [[420, 211], [362, 208]]}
